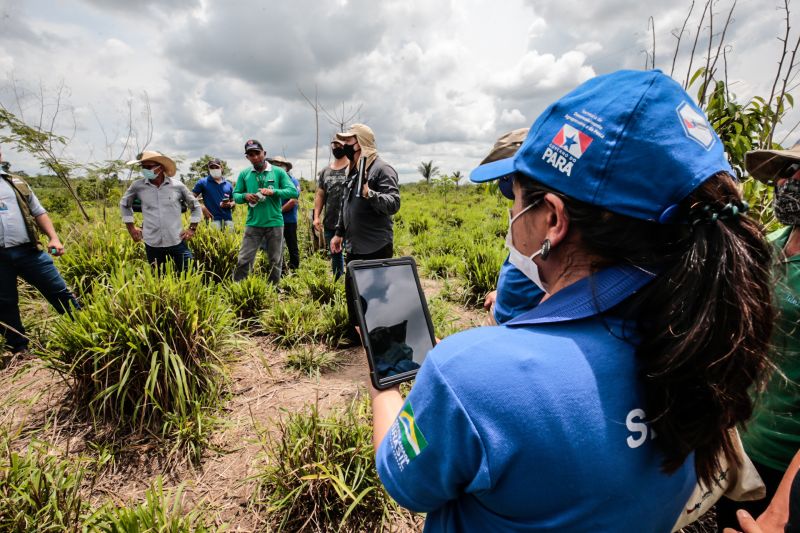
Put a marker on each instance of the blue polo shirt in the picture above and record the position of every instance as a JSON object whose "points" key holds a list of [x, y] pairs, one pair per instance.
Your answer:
{"points": [[214, 193], [290, 217], [538, 425], [516, 293]]}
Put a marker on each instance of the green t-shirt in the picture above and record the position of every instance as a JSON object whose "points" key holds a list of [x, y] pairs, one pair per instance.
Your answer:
{"points": [[267, 213], [773, 434]]}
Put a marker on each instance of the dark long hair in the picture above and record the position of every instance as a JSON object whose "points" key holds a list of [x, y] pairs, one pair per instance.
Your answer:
{"points": [[704, 323]]}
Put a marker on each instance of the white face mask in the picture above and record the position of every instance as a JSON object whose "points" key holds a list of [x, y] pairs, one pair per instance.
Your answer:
{"points": [[524, 264], [216, 173]]}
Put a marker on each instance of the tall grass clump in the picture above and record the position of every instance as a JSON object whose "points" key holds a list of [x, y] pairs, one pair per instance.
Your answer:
{"points": [[314, 281], [440, 265], [39, 491], [148, 354], [311, 360], [161, 510], [479, 271], [215, 252], [293, 321], [249, 298], [93, 253], [321, 475]]}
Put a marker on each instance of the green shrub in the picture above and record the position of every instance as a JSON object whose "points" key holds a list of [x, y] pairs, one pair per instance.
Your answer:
{"points": [[93, 253], [147, 352], [39, 491], [321, 475]]}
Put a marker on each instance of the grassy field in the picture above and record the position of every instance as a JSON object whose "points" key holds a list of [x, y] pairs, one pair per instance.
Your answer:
{"points": [[189, 403]]}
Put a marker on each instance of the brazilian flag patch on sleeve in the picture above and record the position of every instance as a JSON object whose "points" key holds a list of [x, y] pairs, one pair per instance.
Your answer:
{"points": [[406, 437]]}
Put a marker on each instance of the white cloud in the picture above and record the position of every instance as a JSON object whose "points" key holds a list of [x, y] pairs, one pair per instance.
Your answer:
{"points": [[543, 71], [436, 80]]}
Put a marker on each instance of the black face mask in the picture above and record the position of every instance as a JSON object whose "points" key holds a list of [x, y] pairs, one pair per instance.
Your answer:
{"points": [[787, 203], [350, 151], [338, 152]]}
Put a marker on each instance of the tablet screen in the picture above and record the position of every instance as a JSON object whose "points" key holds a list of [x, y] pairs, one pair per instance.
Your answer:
{"points": [[397, 327]]}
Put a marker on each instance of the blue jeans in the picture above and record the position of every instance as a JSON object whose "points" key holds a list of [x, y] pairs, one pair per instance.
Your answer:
{"points": [[38, 269], [337, 260], [179, 254]]}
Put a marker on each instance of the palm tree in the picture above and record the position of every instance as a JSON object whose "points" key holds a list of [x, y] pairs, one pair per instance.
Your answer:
{"points": [[457, 177], [427, 170]]}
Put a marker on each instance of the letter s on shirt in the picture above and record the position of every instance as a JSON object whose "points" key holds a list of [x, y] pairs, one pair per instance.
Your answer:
{"points": [[635, 424]]}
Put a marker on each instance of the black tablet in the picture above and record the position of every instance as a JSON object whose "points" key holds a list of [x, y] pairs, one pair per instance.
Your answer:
{"points": [[393, 315]]}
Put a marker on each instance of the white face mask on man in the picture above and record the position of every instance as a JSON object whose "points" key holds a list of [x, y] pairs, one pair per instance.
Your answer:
{"points": [[216, 173], [524, 264]]}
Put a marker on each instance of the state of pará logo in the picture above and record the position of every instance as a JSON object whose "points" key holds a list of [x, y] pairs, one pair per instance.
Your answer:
{"points": [[572, 140], [695, 125]]}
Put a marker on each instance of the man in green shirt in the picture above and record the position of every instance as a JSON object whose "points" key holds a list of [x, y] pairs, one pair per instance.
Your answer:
{"points": [[772, 436], [262, 187]]}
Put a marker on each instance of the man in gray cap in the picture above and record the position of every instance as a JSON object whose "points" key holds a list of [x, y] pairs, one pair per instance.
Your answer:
{"points": [[162, 201]]}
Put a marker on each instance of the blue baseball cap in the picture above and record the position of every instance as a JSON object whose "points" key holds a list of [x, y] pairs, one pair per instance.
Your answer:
{"points": [[632, 142]]}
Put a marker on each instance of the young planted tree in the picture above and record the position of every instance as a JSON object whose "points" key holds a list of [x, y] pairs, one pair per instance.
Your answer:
{"points": [[742, 125], [44, 145]]}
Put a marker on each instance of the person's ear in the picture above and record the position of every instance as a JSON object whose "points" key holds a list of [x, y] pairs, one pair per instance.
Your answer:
{"points": [[556, 220]]}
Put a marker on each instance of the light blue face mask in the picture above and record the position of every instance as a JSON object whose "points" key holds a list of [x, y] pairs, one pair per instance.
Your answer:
{"points": [[149, 174]]}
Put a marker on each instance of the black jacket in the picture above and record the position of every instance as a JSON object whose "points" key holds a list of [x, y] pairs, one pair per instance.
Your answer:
{"points": [[366, 223]]}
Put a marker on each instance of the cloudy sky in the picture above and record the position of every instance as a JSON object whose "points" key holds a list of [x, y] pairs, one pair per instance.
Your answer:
{"points": [[436, 80]]}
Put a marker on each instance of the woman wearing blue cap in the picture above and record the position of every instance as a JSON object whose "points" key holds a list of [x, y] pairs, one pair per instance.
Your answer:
{"points": [[600, 408]]}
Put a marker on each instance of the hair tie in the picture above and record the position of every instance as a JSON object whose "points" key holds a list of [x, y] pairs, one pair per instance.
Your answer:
{"points": [[702, 213]]}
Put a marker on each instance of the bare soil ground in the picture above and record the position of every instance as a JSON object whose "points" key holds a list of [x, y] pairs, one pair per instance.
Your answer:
{"points": [[34, 404]]}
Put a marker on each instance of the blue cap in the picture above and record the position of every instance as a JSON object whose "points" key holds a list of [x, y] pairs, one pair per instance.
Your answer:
{"points": [[632, 142]]}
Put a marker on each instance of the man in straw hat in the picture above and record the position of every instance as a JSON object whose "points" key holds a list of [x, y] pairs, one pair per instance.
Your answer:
{"points": [[772, 436], [289, 210], [365, 223], [162, 199], [22, 219]]}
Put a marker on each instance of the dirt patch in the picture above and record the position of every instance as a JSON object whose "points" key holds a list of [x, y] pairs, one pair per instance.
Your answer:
{"points": [[262, 390]]}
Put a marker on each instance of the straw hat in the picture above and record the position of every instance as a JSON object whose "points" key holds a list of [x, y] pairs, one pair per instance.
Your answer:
{"points": [[156, 157], [764, 165], [280, 161]]}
